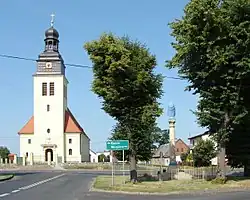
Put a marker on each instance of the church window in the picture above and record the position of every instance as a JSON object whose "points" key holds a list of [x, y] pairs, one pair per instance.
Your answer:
{"points": [[181, 149], [177, 150], [51, 89], [70, 152], [70, 141], [44, 89], [29, 141], [48, 130], [27, 154], [48, 108]]}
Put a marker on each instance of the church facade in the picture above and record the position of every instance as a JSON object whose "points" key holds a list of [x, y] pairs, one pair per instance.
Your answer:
{"points": [[52, 133]]}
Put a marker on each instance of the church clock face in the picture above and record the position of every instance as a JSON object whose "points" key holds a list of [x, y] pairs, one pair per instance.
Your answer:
{"points": [[48, 65]]}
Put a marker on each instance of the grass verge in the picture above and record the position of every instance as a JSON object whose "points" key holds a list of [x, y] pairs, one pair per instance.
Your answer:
{"points": [[173, 186], [105, 166], [5, 177]]}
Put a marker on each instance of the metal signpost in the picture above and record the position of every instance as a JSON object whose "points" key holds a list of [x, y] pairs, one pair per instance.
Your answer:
{"points": [[117, 145]]}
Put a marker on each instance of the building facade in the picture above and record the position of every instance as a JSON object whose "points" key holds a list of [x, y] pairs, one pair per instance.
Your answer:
{"points": [[52, 133], [180, 147], [162, 155]]}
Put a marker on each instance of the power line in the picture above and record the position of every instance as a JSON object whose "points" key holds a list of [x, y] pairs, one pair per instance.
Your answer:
{"points": [[70, 65], [34, 60]]}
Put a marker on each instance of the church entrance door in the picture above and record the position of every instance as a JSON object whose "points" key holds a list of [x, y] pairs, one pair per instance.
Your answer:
{"points": [[48, 151]]}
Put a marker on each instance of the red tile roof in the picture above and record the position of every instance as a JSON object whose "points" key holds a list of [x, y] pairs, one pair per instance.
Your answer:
{"points": [[28, 127], [71, 125]]}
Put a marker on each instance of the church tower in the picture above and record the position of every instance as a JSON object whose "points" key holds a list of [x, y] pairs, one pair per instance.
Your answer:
{"points": [[50, 94], [52, 134]]}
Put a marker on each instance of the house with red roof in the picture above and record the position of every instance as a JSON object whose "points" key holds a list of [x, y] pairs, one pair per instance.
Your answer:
{"points": [[52, 133]]}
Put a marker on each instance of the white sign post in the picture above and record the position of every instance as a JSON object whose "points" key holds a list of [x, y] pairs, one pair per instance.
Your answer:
{"points": [[112, 168]]}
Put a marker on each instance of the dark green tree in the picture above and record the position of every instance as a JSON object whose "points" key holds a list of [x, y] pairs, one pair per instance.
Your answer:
{"points": [[184, 157], [124, 79], [102, 158], [4, 152], [212, 45], [203, 152], [161, 136]]}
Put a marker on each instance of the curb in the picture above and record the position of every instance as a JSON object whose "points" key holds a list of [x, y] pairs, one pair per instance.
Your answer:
{"points": [[191, 193], [197, 192], [7, 178]]}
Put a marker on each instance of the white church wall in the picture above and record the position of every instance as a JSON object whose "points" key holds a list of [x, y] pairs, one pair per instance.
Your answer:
{"points": [[74, 146], [25, 147], [53, 120], [85, 146]]}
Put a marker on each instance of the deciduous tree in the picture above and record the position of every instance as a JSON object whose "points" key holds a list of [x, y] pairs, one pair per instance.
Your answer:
{"points": [[4, 152], [212, 53], [160, 136], [124, 79], [203, 152]]}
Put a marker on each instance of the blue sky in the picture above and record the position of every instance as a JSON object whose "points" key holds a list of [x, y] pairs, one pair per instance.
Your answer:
{"points": [[22, 32]]}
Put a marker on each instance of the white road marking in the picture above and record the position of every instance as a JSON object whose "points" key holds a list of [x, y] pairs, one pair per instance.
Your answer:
{"points": [[40, 182], [15, 191], [5, 194], [32, 185]]}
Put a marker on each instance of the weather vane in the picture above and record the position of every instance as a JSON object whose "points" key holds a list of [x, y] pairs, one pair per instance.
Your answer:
{"points": [[52, 20]]}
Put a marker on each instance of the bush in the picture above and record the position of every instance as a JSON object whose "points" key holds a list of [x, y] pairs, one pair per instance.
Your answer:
{"points": [[219, 180]]}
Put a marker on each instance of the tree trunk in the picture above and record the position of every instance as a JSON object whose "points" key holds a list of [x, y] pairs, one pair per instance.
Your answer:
{"points": [[221, 163], [247, 170], [222, 152], [133, 172]]}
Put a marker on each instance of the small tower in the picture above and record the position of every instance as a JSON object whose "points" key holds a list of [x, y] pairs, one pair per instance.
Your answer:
{"points": [[171, 121]]}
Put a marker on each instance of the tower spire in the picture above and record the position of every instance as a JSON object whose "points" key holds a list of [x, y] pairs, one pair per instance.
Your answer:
{"points": [[52, 20]]}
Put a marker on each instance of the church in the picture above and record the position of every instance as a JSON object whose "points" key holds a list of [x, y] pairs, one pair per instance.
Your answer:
{"points": [[52, 133]]}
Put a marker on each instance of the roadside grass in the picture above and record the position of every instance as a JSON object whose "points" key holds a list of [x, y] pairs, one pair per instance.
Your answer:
{"points": [[105, 166], [4, 177], [122, 184], [88, 166]]}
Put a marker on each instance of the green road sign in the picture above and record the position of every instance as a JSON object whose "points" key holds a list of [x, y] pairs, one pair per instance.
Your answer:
{"points": [[117, 145]]}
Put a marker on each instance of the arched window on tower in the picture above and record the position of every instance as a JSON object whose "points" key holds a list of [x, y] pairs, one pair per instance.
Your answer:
{"points": [[70, 152], [50, 45], [55, 45], [46, 45]]}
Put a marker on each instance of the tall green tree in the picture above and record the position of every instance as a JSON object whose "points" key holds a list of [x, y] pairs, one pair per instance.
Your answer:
{"points": [[124, 79], [212, 45], [4, 152], [203, 152]]}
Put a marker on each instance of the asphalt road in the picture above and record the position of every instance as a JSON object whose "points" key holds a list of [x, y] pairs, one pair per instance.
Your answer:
{"points": [[75, 186]]}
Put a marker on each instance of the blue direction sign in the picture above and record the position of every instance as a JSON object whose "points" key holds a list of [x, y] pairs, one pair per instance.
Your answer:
{"points": [[117, 145]]}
